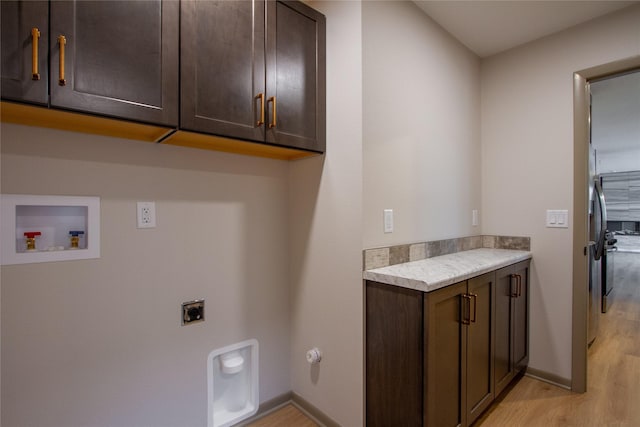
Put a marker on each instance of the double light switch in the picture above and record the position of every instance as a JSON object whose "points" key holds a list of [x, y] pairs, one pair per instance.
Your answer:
{"points": [[558, 218]]}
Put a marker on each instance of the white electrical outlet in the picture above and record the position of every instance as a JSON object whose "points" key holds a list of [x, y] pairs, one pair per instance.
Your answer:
{"points": [[146, 214], [474, 217]]}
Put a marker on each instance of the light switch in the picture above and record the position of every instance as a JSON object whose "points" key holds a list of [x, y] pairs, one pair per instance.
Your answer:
{"points": [[474, 217], [558, 218], [388, 220]]}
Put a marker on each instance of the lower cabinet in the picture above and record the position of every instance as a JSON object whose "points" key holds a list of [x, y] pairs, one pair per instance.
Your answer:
{"points": [[432, 358], [458, 339], [512, 323]]}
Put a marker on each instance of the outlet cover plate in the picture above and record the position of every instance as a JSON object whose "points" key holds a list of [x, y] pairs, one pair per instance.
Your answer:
{"points": [[146, 214]]}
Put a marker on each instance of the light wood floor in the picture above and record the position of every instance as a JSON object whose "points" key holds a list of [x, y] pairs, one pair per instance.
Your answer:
{"points": [[613, 379], [288, 416], [613, 375]]}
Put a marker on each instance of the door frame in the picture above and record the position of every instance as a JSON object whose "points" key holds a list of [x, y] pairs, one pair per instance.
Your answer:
{"points": [[581, 104]]}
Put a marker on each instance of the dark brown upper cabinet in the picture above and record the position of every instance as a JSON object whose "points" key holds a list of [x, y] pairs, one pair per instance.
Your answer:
{"points": [[25, 51], [254, 70], [116, 58]]}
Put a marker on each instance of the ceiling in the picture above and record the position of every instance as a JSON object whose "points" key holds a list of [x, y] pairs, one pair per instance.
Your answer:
{"points": [[490, 27]]}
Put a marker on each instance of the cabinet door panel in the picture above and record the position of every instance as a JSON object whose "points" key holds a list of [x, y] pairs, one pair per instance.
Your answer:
{"points": [[121, 58], [479, 346], [394, 356], [445, 335], [521, 318], [503, 329], [296, 75], [223, 67], [18, 19]]}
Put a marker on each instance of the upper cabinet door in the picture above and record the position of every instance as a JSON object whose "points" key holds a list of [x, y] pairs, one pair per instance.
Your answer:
{"points": [[116, 58], [25, 48], [223, 68], [295, 76]]}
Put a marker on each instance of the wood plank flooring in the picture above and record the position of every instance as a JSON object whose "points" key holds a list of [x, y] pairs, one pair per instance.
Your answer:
{"points": [[287, 416], [613, 376]]}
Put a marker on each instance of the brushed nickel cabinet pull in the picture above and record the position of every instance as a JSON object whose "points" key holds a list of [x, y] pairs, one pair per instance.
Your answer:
{"points": [[261, 119], [35, 39], [273, 112], [62, 41]]}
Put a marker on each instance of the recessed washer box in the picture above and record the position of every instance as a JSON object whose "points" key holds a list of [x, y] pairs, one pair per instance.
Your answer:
{"points": [[56, 219]]}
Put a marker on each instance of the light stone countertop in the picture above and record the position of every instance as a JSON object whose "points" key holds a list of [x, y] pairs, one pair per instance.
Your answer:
{"points": [[434, 273]]}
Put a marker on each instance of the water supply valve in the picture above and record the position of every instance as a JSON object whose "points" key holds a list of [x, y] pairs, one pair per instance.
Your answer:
{"points": [[75, 238], [30, 238]]}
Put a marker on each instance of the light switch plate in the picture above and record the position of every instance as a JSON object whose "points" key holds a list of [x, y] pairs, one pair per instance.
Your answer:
{"points": [[558, 218], [388, 220]]}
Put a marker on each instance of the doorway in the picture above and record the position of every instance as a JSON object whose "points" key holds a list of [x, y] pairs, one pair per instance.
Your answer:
{"points": [[580, 212]]}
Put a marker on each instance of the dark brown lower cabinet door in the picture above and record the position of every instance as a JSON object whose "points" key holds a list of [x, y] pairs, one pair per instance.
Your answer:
{"points": [[445, 336], [116, 58], [503, 365], [479, 368], [25, 51], [394, 356], [521, 318]]}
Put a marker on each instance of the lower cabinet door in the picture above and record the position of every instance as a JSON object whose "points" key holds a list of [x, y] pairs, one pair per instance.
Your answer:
{"points": [[521, 317], [445, 335], [503, 365], [479, 354]]}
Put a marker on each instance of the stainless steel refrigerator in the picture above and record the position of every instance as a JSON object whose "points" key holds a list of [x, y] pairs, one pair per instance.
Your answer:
{"points": [[597, 241]]}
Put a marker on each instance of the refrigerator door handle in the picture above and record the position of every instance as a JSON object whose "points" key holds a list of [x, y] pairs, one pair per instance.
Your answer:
{"points": [[603, 220]]}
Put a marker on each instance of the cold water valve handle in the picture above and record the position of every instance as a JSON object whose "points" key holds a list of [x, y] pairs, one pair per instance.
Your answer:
{"points": [[75, 238], [31, 239]]}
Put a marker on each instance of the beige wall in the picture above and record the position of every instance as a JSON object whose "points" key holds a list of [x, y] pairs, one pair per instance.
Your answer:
{"points": [[421, 133], [527, 161], [99, 342], [326, 236]]}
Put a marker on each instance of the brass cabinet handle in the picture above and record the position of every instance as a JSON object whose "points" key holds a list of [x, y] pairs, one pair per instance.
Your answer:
{"points": [[465, 309], [62, 41], [513, 294], [261, 120], [519, 285], [273, 112], [35, 39], [475, 305]]}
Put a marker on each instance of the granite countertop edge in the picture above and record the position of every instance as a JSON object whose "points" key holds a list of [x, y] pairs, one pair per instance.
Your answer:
{"points": [[429, 274]]}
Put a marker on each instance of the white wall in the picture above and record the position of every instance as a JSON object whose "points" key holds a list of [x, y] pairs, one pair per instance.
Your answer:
{"points": [[527, 161], [326, 236], [99, 342], [421, 133]]}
